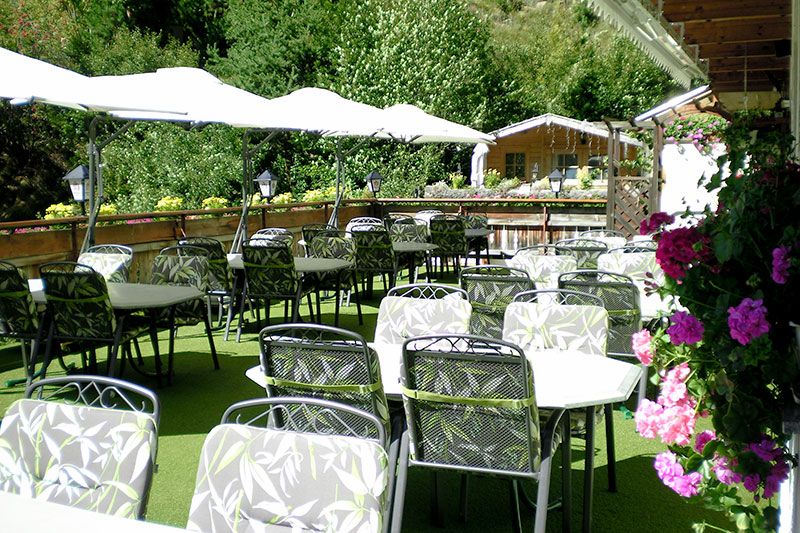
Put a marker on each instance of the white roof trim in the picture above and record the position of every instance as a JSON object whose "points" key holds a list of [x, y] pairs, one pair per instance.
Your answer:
{"points": [[674, 102], [654, 35], [566, 122]]}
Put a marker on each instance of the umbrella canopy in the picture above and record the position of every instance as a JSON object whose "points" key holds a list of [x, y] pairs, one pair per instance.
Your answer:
{"points": [[410, 124], [27, 80]]}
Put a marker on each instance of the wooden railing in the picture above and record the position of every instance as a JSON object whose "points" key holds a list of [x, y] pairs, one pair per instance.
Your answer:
{"points": [[516, 223]]}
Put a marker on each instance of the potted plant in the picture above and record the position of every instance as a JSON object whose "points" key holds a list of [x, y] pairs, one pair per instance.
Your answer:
{"points": [[727, 352]]}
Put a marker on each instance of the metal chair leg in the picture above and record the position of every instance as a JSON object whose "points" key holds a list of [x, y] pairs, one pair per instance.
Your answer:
{"points": [[610, 448], [516, 517]]}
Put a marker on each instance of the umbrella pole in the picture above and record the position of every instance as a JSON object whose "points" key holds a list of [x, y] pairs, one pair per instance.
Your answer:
{"points": [[96, 177], [334, 220], [247, 188]]}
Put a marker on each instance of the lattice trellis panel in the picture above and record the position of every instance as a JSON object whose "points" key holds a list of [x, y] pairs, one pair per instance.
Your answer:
{"points": [[631, 203]]}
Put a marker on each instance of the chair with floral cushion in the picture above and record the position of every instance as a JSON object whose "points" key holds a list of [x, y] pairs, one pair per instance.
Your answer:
{"points": [[585, 251], [355, 221], [427, 214], [542, 265], [537, 327], [390, 219], [612, 238], [448, 233], [315, 361], [113, 261], [471, 408], [309, 231], [19, 316], [82, 441], [374, 255], [187, 266], [422, 309], [336, 245], [490, 288], [220, 276], [270, 274], [339, 477], [411, 230], [80, 312]]}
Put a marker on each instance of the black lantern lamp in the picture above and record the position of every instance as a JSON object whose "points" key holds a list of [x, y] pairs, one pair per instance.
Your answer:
{"points": [[374, 183], [267, 183], [77, 179], [556, 181]]}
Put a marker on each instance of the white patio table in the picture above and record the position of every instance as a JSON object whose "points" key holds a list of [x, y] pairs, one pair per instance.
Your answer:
{"points": [[20, 513], [126, 297], [411, 248], [303, 265], [562, 380]]}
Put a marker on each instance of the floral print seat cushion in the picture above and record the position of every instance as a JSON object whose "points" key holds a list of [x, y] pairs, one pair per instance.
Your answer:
{"points": [[254, 479], [87, 457], [400, 317], [636, 265], [113, 267]]}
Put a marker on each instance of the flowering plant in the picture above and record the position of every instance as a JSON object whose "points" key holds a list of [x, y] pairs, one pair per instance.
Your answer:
{"points": [[702, 130], [727, 351]]}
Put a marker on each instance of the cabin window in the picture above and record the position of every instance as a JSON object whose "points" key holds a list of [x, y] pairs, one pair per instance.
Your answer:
{"points": [[598, 167], [567, 164], [515, 165]]}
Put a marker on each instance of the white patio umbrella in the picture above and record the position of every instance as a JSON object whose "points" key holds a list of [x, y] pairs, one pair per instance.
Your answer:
{"points": [[410, 124], [26, 80]]}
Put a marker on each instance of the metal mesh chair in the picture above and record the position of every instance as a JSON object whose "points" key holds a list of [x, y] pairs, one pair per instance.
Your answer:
{"points": [[356, 221], [113, 261], [303, 435], [80, 311], [447, 232], [82, 441], [490, 289], [637, 247], [336, 245], [543, 267], [427, 214], [422, 309], [270, 275], [392, 218], [220, 276], [19, 316], [278, 234], [411, 230], [558, 297], [584, 250], [477, 244], [186, 266], [470, 407], [620, 297], [374, 254], [310, 231]]}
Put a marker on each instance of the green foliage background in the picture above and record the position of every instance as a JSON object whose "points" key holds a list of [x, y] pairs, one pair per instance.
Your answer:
{"points": [[484, 63]]}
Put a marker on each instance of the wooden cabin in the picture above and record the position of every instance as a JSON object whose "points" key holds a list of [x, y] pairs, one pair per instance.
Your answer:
{"points": [[531, 149]]}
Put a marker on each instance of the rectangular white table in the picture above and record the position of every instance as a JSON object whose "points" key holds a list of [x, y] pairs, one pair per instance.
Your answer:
{"points": [[562, 380], [23, 514]]}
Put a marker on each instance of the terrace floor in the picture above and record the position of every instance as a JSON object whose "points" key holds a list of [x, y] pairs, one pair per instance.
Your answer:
{"points": [[199, 395]]}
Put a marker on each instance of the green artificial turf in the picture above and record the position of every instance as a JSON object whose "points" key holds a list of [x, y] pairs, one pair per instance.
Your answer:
{"points": [[199, 395]]}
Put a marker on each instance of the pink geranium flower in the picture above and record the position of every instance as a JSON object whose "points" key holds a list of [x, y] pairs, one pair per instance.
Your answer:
{"points": [[654, 222], [702, 439], [641, 346], [677, 250], [748, 320]]}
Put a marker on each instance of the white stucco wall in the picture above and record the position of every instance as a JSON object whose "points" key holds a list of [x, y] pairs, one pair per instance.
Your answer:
{"points": [[686, 171]]}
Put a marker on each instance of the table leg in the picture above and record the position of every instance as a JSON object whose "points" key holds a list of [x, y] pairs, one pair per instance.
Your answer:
{"points": [[154, 342], [588, 472], [232, 303]]}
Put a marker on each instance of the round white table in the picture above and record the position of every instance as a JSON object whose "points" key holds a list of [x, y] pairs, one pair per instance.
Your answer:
{"points": [[301, 264]]}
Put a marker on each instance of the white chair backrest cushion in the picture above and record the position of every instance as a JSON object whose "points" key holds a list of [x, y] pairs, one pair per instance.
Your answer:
{"points": [[541, 267], [87, 457], [250, 478], [536, 326], [636, 265], [106, 264], [400, 318]]}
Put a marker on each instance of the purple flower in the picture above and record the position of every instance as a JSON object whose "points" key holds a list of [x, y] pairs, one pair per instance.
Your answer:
{"points": [[751, 482], [654, 223], [748, 320], [702, 439], [723, 468], [685, 329], [766, 450], [671, 473], [780, 264]]}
